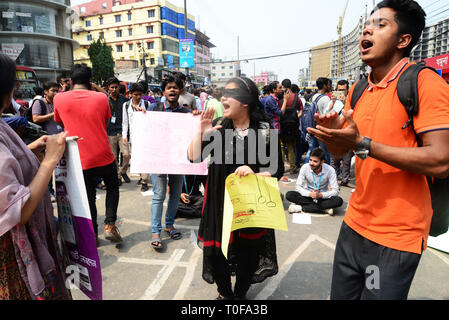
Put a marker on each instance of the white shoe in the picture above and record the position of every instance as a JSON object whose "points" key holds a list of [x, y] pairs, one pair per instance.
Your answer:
{"points": [[330, 212], [294, 209]]}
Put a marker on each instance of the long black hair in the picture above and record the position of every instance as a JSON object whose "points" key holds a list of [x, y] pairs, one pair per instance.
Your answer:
{"points": [[256, 109], [8, 77]]}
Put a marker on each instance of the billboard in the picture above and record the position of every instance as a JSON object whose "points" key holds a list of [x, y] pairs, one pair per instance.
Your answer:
{"points": [[186, 53]]}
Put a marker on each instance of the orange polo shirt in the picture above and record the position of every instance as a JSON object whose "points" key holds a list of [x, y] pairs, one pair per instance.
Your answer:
{"points": [[392, 207]]}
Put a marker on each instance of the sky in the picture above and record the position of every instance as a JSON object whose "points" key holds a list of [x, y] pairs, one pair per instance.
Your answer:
{"points": [[267, 27]]}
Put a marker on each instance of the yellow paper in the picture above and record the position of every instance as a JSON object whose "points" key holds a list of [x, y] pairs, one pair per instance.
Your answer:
{"points": [[251, 202]]}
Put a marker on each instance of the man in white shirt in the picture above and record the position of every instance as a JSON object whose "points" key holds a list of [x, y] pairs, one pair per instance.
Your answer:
{"points": [[317, 187]]}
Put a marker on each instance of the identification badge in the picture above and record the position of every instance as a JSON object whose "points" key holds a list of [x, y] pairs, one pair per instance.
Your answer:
{"points": [[113, 119]]}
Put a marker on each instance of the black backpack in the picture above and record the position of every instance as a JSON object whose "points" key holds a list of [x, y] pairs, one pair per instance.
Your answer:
{"points": [[407, 90], [28, 114], [289, 123]]}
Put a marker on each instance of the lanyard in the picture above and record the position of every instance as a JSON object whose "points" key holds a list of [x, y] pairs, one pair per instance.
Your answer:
{"points": [[50, 105], [193, 185], [314, 182]]}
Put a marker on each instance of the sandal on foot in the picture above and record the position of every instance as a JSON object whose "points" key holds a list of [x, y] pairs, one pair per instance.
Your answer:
{"points": [[174, 234], [157, 244]]}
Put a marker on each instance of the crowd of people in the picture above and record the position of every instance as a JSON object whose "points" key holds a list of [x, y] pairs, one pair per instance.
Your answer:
{"points": [[388, 218]]}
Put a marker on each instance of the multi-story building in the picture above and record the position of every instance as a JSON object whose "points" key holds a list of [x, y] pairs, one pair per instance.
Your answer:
{"points": [[222, 72], [320, 61], [203, 58], [134, 29], [434, 41], [265, 78], [40, 33], [351, 61]]}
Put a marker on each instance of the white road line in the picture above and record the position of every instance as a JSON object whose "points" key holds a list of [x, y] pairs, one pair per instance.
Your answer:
{"points": [[439, 255], [190, 273], [154, 288], [148, 224], [326, 243], [149, 262], [273, 283]]}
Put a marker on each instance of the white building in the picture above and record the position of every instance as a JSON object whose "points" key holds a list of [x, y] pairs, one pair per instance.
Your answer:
{"points": [[222, 72], [434, 41]]}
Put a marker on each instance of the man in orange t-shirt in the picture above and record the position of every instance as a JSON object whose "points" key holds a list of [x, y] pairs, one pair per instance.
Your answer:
{"points": [[387, 223], [86, 114]]}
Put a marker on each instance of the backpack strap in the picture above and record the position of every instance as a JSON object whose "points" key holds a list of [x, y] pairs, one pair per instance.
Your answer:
{"points": [[359, 89]]}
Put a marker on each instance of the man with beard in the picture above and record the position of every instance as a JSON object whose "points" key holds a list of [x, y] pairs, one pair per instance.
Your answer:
{"points": [[317, 187]]}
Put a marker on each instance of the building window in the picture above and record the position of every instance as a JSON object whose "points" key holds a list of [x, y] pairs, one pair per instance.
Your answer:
{"points": [[223, 67], [150, 29], [150, 45], [89, 37], [151, 13], [104, 5], [101, 20], [130, 47], [130, 32], [118, 18], [214, 68], [88, 23], [130, 16], [102, 35], [119, 48], [152, 61], [118, 33], [83, 10], [223, 74]]}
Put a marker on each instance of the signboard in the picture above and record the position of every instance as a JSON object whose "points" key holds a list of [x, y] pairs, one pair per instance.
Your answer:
{"points": [[12, 50], [164, 149], [439, 62], [78, 238], [251, 202], [186, 53], [170, 62]]}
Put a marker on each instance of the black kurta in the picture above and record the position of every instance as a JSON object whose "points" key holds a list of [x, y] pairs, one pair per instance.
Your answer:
{"points": [[210, 231]]}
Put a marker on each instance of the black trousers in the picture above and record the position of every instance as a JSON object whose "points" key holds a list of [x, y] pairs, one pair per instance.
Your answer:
{"points": [[246, 264], [368, 271], [109, 175], [308, 205]]}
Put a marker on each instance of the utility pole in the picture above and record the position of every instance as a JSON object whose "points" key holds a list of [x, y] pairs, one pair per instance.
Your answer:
{"points": [[144, 62], [186, 29], [239, 71]]}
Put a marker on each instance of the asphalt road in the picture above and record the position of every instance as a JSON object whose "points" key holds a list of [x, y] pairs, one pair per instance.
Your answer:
{"points": [[133, 270]]}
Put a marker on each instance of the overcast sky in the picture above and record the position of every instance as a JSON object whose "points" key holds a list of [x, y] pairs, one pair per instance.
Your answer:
{"points": [[268, 27]]}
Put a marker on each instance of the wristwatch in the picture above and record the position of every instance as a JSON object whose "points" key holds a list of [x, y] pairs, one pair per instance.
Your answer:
{"points": [[363, 149]]}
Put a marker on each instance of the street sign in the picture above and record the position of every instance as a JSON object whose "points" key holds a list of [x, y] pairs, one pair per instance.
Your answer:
{"points": [[187, 53], [12, 50]]}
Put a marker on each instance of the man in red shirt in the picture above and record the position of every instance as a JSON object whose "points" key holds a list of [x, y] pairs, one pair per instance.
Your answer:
{"points": [[86, 114]]}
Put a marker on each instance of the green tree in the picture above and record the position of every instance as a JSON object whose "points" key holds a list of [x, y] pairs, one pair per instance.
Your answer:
{"points": [[102, 62]]}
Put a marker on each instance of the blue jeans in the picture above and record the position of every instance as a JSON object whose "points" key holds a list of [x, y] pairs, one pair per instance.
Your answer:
{"points": [[157, 205], [315, 143]]}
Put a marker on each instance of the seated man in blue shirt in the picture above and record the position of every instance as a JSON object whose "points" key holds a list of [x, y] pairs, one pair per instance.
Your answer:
{"points": [[171, 89], [317, 187]]}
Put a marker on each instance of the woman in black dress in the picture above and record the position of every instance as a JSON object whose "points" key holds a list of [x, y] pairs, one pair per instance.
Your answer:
{"points": [[252, 252]]}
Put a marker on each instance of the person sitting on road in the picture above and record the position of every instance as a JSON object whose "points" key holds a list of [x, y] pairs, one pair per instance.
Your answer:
{"points": [[317, 187]]}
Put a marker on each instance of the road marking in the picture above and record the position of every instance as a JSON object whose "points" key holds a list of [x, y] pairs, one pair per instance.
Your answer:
{"points": [[439, 255], [273, 283], [326, 243], [149, 262], [157, 284], [190, 273], [148, 224]]}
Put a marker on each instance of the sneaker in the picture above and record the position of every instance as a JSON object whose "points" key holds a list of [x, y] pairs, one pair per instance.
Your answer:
{"points": [[294, 209], [330, 212], [112, 233], [126, 178], [145, 187], [139, 182]]}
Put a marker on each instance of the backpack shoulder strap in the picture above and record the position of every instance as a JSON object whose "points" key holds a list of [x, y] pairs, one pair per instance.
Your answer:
{"points": [[43, 107], [407, 89], [359, 89]]}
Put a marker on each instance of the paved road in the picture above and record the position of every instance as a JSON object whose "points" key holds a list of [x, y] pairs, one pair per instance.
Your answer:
{"points": [[134, 271]]}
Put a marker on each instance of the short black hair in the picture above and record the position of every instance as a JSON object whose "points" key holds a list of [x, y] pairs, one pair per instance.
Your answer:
{"points": [[122, 89], [287, 84], [18, 94], [273, 86], [81, 74], [321, 82], [266, 90], [50, 84], [295, 88], [410, 17], [8, 78], [112, 80], [38, 91], [136, 87], [343, 83], [319, 153], [144, 85], [181, 76], [171, 79]]}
